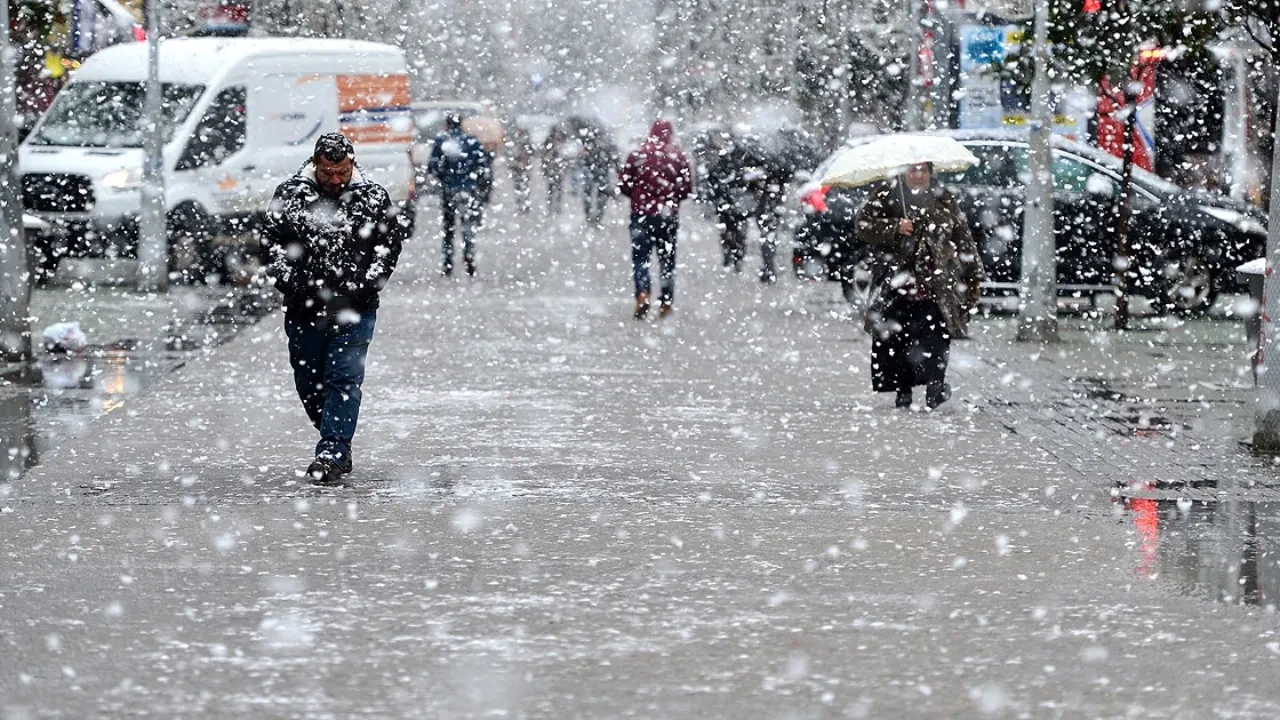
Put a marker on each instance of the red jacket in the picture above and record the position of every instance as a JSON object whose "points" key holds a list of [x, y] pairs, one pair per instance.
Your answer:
{"points": [[656, 176]]}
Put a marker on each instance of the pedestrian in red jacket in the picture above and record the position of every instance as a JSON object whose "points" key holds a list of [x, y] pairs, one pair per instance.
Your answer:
{"points": [[657, 178]]}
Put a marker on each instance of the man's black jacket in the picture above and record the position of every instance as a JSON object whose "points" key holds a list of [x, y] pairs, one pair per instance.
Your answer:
{"points": [[327, 256]]}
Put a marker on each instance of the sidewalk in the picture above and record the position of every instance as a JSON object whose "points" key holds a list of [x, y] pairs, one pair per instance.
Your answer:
{"points": [[560, 512], [50, 404]]}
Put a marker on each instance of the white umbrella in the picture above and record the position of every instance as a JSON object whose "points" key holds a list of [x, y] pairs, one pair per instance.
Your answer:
{"points": [[888, 156]]}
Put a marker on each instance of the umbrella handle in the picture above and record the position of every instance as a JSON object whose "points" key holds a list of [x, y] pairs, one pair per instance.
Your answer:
{"points": [[902, 195]]}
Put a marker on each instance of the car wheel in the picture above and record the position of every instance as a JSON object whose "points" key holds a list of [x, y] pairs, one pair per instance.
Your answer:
{"points": [[44, 253], [1189, 288], [192, 255]]}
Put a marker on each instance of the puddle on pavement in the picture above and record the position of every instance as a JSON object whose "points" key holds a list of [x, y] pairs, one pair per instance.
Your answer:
{"points": [[1223, 550], [49, 405]]}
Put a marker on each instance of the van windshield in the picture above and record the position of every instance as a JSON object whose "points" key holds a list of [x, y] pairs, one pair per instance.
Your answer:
{"points": [[110, 114]]}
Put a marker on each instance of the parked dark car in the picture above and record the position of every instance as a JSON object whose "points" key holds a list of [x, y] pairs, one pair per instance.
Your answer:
{"points": [[1184, 244]]}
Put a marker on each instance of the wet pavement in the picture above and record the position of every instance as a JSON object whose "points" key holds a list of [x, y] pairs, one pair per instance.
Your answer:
{"points": [[50, 404], [560, 512]]}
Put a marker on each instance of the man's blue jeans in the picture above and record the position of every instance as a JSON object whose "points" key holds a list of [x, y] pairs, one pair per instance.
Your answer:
{"points": [[650, 233], [328, 369], [460, 207]]}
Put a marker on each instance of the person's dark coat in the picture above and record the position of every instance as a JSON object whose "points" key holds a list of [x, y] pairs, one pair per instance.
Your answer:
{"points": [[521, 151], [460, 162], [599, 158], [328, 256], [657, 176], [940, 254], [727, 187]]}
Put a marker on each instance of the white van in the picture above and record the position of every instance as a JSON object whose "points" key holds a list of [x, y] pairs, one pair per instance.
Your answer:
{"points": [[241, 115]]}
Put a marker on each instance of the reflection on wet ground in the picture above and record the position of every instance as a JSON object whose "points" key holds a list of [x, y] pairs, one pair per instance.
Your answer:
{"points": [[49, 405], [1225, 550]]}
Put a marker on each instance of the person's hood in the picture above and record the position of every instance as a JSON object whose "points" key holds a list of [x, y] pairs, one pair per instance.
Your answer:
{"points": [[661, 133], [308, 173]]}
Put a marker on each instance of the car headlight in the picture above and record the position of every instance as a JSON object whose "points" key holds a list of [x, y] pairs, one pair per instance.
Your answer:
{"points": [[1236, 218], [122, 179]]}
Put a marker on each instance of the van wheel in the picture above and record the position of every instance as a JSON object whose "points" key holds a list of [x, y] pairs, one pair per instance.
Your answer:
{"points": [[192, 256]]}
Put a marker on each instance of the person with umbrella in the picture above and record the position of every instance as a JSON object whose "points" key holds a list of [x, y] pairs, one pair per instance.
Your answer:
{"points": [[599, 158], [770, 165], [727, 193], [929, 276], [521, 151], [555, 164]]}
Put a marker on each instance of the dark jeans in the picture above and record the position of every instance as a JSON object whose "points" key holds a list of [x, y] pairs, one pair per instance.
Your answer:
{"points": [[913, 347], [733, 238], [520, 184], [768, 220], [555, 191], [594, 200], [328, 369], [459, 206], [595, 194], [650, 233]]}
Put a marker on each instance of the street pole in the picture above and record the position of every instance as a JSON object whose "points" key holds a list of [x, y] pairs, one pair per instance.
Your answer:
{"points": [[153, 241], [1124, 213], [1266, 435], [15, 275], [915, 94], [1039, 281]]}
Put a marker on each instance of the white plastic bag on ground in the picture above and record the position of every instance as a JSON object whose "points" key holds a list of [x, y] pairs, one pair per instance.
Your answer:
{"points": [[65, 338]]}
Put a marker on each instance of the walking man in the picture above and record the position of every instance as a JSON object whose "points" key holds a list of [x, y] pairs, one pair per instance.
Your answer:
{"points": [[657, 178], [464, 169], [520, 147], [331, 240], [599, 158]]}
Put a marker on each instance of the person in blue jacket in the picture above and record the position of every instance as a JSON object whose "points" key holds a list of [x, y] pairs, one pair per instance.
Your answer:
{"points": [[465, 171]]}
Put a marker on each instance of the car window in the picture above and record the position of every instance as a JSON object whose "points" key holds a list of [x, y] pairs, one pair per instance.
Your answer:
{"points": [[1072, 175], [999, 166], [221, 132]]}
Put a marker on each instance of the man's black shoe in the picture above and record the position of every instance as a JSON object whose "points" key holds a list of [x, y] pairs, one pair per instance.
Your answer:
{"points": [[323, 471], [937, 394], [904, 399]]}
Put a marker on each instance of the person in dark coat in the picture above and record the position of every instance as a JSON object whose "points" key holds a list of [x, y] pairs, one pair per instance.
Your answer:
{"points": [[331, 241], [657, 178], [555, 165], [599, 158], [727, 191], [769, 184], [521, 152], [465, 171], [927, 283]]}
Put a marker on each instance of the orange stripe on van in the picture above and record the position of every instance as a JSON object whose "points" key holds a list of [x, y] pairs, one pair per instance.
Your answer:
{"points": [[372, 92], [376, 134]]}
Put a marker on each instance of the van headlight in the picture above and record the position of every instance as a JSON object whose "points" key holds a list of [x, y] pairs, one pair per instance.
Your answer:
{"points": [[122, 179]]}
